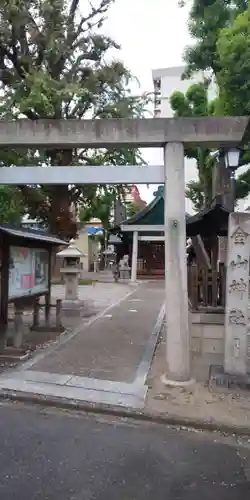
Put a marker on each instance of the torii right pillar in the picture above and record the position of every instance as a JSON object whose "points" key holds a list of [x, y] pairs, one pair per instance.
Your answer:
{"points": [[176, 295]]}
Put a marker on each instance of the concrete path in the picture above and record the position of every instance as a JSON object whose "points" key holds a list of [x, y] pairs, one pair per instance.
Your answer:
{"points": [[55, 455], [98, 295], [106, 360]]}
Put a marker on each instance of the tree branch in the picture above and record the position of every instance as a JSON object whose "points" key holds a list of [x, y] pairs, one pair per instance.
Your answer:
{"points": [[72, 12]]}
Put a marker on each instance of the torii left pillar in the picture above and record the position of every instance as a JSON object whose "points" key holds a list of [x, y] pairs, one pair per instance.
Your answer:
{"points": [[176, 295]]}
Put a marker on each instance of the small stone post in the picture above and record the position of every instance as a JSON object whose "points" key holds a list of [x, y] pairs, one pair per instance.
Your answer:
{"points": [[47, 310], [36, 314], [58, 313], [19, 327]]}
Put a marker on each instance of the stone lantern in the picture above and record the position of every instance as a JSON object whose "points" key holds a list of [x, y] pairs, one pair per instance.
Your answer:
{"points": [[71, 270]]}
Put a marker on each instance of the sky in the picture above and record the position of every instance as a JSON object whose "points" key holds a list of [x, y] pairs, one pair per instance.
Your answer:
{"points": [[152, 34]]}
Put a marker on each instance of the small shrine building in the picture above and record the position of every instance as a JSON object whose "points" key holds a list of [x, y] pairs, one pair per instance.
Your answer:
{"points": [[142, 236]]}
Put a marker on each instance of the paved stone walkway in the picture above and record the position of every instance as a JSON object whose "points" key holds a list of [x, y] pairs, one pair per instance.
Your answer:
{"points": [[106, 359]]}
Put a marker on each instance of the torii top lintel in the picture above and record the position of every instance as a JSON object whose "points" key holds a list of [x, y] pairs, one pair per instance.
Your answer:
{"points": [[155, 132]]}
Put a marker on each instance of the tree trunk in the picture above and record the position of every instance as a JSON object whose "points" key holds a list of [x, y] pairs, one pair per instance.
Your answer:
{"points": [[62, 217], [204, 177], [221, 183], [62, 220]]}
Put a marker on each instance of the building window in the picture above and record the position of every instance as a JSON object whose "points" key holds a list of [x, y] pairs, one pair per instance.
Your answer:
{"points": [[157, 84]]}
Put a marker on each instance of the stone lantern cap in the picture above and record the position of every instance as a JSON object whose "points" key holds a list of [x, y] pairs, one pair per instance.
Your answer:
{"points": [[71, 252]]}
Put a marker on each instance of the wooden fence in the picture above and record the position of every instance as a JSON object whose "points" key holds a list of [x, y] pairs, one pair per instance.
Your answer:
{"points": [[206, 288]]}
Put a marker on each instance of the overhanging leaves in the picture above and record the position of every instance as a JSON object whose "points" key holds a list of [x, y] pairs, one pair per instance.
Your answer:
{"points": [[53, 64]]}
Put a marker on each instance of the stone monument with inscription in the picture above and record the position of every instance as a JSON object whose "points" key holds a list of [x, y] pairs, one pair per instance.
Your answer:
{"points": [[236, 320]]}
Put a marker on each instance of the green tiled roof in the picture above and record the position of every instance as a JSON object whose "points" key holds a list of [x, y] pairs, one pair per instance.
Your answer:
{"points": [[152, 214]]}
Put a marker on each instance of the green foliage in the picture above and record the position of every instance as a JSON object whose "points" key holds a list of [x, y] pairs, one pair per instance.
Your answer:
{"points": [[53, 64], [242, 185], [100, 207], [195, 193], [133, 208], [196, 103], [234, 65], [207, 18], [11, 205], [221, 40], [100, 201]]}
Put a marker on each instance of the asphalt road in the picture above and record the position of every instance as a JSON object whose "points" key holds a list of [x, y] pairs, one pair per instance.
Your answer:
{"points": [[54, 455]]}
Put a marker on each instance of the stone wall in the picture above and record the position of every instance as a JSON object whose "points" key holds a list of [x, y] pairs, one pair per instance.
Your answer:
{"points": [[207, 333]]}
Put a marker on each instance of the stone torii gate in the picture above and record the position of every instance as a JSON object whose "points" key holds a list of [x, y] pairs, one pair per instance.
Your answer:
{"points": [[170, 134]]}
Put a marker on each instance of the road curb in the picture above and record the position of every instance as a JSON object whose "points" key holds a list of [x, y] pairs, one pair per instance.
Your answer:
{"points": [[144, 415]]}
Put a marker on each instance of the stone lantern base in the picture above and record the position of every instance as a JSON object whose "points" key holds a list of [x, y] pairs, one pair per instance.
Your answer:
{"points": [[73, 307]]}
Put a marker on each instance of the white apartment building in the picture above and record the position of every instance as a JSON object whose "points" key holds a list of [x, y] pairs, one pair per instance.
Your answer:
{"points": [[166, 81]]}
